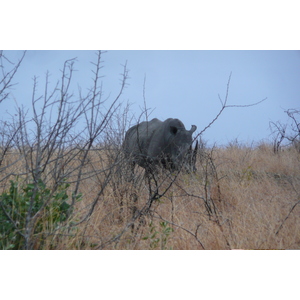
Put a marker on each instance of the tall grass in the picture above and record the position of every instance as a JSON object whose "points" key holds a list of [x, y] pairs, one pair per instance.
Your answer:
{"points": [[254, 193]]}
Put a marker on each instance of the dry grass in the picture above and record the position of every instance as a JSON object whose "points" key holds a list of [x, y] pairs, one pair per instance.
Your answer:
{"points": [[254, 192]]}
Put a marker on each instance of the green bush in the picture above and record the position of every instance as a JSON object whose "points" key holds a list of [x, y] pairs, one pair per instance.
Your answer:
{"points": [[21, 203], [159, 239]]}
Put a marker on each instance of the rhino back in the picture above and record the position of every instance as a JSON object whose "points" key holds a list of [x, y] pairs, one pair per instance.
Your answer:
{"points": [[140, 139]]}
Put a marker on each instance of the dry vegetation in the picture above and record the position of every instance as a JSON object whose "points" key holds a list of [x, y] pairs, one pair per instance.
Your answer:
{"points": [[252, 192]]}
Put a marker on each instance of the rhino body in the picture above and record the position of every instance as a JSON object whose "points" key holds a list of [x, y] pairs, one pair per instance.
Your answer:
{"points": [[154, 143]]}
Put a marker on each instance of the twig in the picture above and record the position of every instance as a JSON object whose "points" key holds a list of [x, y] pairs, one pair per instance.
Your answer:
{"points": [[176, 225], [280, 227]]}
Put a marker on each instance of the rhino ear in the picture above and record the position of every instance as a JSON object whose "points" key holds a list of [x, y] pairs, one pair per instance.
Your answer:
{"points": [[194, 127], [173, 129]]}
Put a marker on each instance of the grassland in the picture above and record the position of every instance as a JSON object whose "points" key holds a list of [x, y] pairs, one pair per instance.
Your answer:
{"points": [[239, 198]]}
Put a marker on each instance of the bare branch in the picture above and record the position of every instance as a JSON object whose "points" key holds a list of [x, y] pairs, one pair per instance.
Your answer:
{"points": [[224, 105], [7, 76]]}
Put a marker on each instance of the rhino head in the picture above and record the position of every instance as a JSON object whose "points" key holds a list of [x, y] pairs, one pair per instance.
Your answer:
{"points": [[179, 152]]}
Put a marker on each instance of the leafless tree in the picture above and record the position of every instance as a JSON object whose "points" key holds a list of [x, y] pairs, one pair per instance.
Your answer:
{"points": [[7, 133], [56, 141]]}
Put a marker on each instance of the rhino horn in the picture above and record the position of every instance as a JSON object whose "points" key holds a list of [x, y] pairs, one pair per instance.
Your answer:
{"points": [[194, 156]]}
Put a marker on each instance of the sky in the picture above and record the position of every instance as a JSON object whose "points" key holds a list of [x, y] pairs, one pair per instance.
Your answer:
{"points": [[182, 84]]}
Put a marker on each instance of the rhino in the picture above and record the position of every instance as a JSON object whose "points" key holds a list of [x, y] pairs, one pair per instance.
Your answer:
{"points": [[156, 143]]}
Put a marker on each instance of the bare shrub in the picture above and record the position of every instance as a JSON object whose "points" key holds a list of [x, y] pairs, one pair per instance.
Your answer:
{"points": [[52, 150], [289, 132]]}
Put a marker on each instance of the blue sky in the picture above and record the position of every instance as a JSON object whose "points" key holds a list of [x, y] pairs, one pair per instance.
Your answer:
{"points": [[184, 85]]}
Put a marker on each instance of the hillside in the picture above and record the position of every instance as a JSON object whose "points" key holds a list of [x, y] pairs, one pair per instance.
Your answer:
{"points": [[239, 198]]}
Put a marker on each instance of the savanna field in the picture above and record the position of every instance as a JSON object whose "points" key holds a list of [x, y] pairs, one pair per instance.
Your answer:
{"points": [[239, 198]]}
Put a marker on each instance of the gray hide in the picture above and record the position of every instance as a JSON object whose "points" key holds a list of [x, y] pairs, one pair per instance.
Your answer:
{"points": [[167, 143]]}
